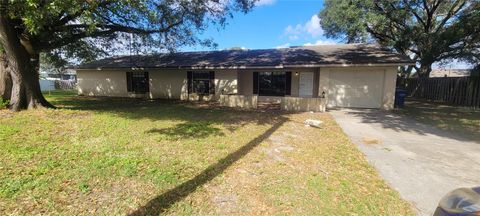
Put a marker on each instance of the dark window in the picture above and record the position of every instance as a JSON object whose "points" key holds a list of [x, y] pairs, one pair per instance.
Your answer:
{"points": [[288, 84], [137, 82], [201, 82], [272, 84], [255, 82]]}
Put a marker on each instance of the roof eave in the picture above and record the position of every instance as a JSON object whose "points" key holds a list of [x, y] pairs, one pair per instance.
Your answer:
{"points": [[259, 67]]}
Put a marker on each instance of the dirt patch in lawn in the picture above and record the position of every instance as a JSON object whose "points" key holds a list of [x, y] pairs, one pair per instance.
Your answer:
{"points": [[298, 170]]}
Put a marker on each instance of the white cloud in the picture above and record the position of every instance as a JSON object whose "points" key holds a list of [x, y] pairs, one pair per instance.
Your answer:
{"points": [[310, 28], [313, 26], [293, 37], [290, 30], [321, 42], [265, 2], [283, 46]]}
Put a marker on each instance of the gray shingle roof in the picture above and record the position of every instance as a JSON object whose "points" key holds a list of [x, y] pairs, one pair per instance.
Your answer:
{"points": [[304, 56]]}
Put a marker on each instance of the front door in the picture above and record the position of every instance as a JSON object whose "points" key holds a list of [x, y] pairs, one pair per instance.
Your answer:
{"points": [[306, 84]]}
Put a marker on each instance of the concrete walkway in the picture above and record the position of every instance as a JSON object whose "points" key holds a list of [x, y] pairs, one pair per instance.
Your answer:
{"points": [[422, 162]]}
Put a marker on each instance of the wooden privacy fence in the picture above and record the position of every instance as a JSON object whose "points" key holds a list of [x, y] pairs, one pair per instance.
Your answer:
{"points": [[462, 91]]}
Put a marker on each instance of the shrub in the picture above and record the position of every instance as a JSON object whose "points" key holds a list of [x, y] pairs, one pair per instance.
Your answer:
{"points": [[3, 103]]}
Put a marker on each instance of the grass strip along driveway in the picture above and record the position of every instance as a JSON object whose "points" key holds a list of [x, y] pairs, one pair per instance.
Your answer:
{"points": [[460, 120], [126, 156]]}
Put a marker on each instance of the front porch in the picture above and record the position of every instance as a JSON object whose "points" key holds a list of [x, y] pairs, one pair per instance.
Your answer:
{"points": [[294, 89], [283, 103]]}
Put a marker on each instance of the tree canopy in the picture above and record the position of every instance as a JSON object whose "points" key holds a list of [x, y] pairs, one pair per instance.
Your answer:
{"points": [[72, 24], [427, 30], [84, 28]]}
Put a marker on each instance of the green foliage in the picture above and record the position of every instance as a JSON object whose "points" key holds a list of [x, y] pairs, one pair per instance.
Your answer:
{"points": [[4, 103], [83, 30], [345, 19], [84, 187], [429, 31]]}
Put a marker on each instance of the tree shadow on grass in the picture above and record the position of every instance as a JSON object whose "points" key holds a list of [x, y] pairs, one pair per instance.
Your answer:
{"points": [[403, 123], [171, 110], [164, 201], [188, 130]]}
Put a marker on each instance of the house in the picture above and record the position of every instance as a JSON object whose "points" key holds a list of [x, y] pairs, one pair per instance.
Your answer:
{"points": [[299, 78], [67, 74], [444, 72]]}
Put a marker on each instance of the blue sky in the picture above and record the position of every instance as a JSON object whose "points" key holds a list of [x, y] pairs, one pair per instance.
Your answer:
{"points": [[272, 23], [276, 24]]}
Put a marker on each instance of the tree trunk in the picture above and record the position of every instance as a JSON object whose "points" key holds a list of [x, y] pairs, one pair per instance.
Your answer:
{"points": [[5, 78], [23, 66], [422, 72], [425, 69]]}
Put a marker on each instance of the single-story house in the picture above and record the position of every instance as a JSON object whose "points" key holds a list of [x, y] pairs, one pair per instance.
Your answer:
{"points": [[298, 78], [444, 72]]}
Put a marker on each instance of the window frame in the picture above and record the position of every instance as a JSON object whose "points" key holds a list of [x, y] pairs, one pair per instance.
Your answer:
{"points": [[138, 82], [259, 79], [194, 77]]}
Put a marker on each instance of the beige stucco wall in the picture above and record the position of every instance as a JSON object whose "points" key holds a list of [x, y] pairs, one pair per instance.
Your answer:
{"points": [[389, 88], [239, 101], [226, 82], [102, 83], [385, 79], [168, 84], [165, 84], [172, 84], [303, 104], [245, 82]]}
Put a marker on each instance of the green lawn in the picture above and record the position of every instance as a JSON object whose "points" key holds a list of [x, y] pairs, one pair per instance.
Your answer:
{"points": [[460, 120], [125, 156]]}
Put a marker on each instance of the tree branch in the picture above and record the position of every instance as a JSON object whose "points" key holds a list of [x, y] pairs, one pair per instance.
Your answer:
{"points": [[407, 4], [62, 20], [450, 14], [102, 31]]}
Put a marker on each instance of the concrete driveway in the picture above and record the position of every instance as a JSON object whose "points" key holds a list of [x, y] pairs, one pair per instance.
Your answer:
{"points": [[421, 162]]}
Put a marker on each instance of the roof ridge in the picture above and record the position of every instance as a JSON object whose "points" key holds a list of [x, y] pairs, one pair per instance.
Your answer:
{"points": [[248, 50], [340, 54]]}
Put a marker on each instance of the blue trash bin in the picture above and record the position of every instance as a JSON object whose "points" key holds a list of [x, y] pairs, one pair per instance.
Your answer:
{"points": [[400, 95]]}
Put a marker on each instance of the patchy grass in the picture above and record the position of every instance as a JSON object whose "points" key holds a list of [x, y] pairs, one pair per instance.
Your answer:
{"points": [[125, 156], [461, 120]]}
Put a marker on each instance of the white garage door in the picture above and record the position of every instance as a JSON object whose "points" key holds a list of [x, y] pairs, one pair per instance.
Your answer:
{"points": [[356, 89]]}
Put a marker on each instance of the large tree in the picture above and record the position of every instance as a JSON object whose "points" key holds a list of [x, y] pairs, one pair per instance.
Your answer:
{"points": [[5, 79], [76, 27], [427, 30]]}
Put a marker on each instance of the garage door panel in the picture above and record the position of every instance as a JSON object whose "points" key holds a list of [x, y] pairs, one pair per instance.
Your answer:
{"points": [[356, 89]]}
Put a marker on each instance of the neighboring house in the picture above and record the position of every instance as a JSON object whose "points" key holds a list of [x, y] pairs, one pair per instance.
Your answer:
{"points": [[57, 79], [443, 72], [68, 74], [353, 75]]}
